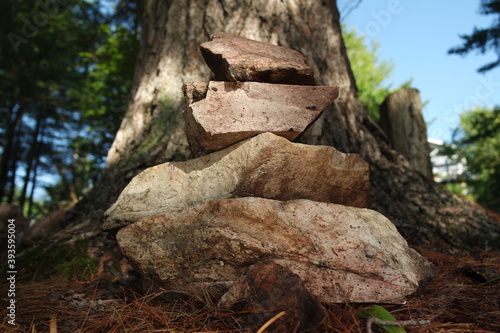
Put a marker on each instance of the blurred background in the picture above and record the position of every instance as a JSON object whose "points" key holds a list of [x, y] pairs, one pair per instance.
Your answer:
{"points": [[66, 69]]}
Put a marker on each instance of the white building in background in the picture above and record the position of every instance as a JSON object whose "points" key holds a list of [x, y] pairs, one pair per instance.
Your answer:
{"points": [[445, 168]]}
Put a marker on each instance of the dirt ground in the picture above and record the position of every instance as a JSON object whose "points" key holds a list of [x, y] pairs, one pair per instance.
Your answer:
{"points": [[464, 297]]}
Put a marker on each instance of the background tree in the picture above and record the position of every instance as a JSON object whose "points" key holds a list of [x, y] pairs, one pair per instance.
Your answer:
{"points": [[101, 101], [38, 66], [478, 140], [369, 72], [66, 71], [486, 39], [151, 132]]}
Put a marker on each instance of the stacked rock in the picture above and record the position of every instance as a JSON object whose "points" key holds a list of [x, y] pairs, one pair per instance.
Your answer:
{"points": [[261, 88], [256, 197]]}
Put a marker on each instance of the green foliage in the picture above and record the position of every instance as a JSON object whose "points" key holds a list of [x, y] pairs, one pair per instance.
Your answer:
{"points": [[66, 70], [101, 100], [379, 312], [40, 64], [103, 94], [483, 40], [67, 261], [479, 142], [369, 72], [457, 188]]}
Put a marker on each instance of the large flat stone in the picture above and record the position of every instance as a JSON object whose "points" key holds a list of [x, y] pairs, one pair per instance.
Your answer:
{"points": [[343, 254], [235, 58], [266, 166], [234, 111]]}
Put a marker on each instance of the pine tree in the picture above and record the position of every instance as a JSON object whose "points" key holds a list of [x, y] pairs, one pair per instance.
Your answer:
{"points": [[486, 39]]}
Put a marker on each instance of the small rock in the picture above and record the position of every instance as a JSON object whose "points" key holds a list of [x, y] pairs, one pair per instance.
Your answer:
{"points": [[265, 290], [232, 112], [266, 166], [343, 254], [235, 58]]}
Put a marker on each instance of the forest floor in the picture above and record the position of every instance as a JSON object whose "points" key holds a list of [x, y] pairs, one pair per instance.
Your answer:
{"points": [[463, 297]]}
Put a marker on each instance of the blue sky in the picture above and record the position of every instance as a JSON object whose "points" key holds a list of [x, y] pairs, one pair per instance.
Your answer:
{"points": [[416, 36]]}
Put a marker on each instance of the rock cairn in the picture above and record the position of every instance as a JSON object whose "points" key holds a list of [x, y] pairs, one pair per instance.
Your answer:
{"points": [[255, 202]]}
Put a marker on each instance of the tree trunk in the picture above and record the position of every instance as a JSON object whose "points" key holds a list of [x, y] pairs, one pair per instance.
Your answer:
{"points": [[40, 145], [33, 155], [402, 121], [12, 122], [12, 166], [152, 133]]}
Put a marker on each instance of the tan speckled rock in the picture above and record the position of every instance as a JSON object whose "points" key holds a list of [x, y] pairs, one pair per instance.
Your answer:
{"points": [[266, 166], [343, 254]]}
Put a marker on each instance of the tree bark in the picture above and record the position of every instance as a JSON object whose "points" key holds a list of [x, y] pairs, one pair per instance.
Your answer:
{"points": [[152, 133], [402, 121]]}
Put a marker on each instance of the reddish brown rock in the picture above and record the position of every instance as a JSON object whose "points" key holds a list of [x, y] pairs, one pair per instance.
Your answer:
{"points": [[265, 290], [235, 58], [266, 166], [232, 112], [343, 254]]}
